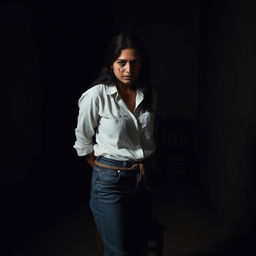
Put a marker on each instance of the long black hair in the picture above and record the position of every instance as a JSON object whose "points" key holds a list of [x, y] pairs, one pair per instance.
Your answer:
{"points": [[117, 44]]}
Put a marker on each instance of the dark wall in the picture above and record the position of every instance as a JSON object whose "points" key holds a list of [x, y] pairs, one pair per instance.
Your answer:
{"points": [[203, 62], [202, 56], [51, 51], [227, 109]]}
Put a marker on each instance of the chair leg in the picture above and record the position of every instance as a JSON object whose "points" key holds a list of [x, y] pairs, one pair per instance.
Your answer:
{"points": [[100, 247]]}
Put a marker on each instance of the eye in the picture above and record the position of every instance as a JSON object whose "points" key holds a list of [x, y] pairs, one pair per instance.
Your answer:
{"points": [[122, 63], [135, 62]]}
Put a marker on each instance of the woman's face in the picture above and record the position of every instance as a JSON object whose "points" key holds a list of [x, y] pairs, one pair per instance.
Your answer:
{"points": [[127, 66]]}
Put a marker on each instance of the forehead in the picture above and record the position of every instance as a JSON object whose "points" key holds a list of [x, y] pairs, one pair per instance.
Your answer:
{"points": [[128, 54]]}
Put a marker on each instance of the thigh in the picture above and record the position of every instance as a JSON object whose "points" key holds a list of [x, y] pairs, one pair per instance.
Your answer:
{"points": [[121, 226], [118, 213]]}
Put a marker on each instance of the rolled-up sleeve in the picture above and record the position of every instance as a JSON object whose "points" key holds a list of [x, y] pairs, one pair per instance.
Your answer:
{"points": [[86, 123]]}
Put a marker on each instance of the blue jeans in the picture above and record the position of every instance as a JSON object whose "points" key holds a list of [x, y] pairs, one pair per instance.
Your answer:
{"points": [[121, 207]]}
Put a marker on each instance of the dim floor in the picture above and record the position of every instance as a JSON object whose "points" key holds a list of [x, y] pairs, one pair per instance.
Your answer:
{"points": [[191, 228]]}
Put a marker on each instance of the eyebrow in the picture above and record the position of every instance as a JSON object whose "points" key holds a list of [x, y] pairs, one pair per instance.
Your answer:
{"points": [[127, 60]]}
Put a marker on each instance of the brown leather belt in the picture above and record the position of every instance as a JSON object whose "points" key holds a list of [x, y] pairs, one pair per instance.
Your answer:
{"points": [[137, 166]]}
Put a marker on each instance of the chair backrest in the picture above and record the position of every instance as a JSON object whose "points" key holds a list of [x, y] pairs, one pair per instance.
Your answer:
{"points": [[175, 143]]}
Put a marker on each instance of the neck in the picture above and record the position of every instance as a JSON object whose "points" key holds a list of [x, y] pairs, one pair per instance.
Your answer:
{"points": [[126, 87]]}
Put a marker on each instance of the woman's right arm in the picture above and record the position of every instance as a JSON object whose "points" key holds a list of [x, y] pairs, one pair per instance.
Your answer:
{"points": [[90, 158], [87, 122]]}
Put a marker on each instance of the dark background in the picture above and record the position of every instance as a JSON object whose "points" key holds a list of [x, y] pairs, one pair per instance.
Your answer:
{"points": [[203, 67]]}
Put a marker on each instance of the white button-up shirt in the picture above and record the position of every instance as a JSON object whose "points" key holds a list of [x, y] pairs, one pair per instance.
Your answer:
{"points": [[106, 126]]}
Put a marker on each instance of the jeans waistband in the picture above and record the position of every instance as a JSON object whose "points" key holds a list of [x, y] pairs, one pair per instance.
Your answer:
{"points": [[114, 162]]}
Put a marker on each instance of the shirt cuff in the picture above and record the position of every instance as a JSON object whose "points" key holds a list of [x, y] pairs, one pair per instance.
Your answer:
{"points": [[83, 150]]}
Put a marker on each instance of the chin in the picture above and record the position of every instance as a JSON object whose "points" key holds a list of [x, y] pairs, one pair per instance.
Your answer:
{"points": [[128, 81]]}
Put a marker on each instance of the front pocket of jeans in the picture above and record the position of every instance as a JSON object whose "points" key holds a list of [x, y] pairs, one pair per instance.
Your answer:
{"points": [[107, 176]]}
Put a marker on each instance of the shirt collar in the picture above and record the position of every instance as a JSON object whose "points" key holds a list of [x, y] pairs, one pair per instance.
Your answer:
{"points": [[139, 97], [110, 89], [140, 94]]}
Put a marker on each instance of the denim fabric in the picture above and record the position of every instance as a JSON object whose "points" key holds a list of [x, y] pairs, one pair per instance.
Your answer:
{"points": [[121, 208]]}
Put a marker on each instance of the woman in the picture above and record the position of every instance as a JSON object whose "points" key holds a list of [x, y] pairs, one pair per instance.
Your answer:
{"points": [[115, 134]]}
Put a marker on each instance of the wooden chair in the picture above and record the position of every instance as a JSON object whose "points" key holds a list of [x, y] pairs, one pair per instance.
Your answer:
{"points": [[175, 146], [155, 238]]}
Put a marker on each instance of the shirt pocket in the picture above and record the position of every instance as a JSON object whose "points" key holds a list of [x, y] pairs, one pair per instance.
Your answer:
{"points": [[113, 126], [112, 121]]}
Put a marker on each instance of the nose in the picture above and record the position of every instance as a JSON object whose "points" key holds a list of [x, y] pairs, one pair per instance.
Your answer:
{"points": [[128, 67]]}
